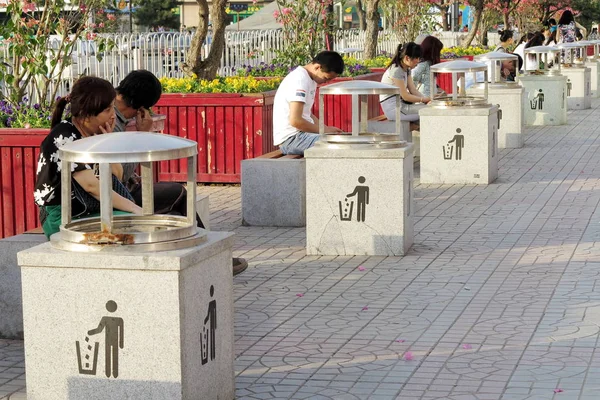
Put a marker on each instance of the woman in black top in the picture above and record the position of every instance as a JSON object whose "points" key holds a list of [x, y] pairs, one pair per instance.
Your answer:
{"points": [[92, 111]]}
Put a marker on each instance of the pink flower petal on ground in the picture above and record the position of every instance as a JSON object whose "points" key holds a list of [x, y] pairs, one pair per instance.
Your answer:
{"points": [[467, 346], [557, 390], [400, 340], [408, 356], [361, 268], [299, 294], [365, 308]]}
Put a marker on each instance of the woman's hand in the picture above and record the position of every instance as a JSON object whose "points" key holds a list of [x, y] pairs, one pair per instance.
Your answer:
{"points": [[108, 127]]}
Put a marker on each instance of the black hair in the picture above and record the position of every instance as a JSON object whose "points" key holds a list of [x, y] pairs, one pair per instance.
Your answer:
{"points": [[537, 40], [519, 60], [410, 49], [89, 96], [505, 35], [552, 21], [525, 38], [330, 61], [566, 18], [140, 89]]}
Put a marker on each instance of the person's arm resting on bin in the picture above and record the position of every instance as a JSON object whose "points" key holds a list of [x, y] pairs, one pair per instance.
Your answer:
{"points": [[296, 120]]}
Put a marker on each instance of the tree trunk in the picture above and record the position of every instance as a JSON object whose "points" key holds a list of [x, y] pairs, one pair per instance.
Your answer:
{"points": [[372, 29], [194, 64], [476, 22], [505, 20], [445, 15], [360, 12]]}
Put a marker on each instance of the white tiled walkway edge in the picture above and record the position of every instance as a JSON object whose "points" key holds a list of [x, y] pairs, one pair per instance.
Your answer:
{"points": [[496, 300]]}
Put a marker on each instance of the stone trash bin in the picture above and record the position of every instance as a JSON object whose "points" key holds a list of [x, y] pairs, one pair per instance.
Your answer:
{"points": [[593, 63], [509, 96], [459, 132], [359, 186], [128, 306], [579, 77], [545, 87]]}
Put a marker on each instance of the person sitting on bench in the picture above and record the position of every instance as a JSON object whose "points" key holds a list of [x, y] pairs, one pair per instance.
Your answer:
{"points": [[294, 127], [398, 74]]}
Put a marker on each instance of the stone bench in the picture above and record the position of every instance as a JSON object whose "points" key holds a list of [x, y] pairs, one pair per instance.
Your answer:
{"points": [[11, 313], [383, 125], [274, 190]]}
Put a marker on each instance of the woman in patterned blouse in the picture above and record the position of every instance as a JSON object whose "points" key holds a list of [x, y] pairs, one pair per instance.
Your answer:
{"points": [[92, 113]]}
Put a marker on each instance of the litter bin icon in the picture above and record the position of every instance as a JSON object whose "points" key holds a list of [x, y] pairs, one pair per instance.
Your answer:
{"points": [[346, 208], [448, 151], [84, 354]]}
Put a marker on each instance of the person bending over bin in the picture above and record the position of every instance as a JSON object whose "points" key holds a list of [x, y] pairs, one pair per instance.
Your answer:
{"points": [[294, 127], [136, 93]]}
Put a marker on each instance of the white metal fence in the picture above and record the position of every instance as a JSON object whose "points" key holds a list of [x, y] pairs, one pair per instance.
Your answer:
{"points": [[163, 53]]}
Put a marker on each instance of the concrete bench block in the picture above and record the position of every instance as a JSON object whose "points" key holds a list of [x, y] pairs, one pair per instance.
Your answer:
{"points": [[274, 192], [11, 303]]}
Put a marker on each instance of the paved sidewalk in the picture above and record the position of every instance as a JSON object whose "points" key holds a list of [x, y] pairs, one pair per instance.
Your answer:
{"points": [[496, 299]]}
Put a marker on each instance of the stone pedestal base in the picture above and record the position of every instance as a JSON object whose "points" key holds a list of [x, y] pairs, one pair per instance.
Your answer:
{"points": [[123, 325], [579, 92], [359, 201], [510, 100], [546, 99], [459, 145], [594, 75]]}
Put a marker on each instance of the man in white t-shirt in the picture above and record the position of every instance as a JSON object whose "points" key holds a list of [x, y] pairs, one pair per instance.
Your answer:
{"points": [[294, 127]]}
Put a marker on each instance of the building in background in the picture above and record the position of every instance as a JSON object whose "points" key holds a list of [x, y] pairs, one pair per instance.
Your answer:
{"points": [[189, 11]]}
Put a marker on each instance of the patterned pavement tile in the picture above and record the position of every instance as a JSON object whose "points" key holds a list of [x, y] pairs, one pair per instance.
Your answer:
{"points": [[497, 299]]}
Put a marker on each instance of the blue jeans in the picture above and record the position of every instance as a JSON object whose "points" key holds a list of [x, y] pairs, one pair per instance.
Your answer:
{"points": [[298, 143]]}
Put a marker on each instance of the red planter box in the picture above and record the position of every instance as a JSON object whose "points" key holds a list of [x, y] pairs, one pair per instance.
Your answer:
{"points": [[228, 127], [338, 109], [19, 152]]}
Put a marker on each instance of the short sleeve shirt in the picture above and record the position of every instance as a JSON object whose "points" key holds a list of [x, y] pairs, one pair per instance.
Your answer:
{"points": [[388, 77], [296, 86], [47, 184]]}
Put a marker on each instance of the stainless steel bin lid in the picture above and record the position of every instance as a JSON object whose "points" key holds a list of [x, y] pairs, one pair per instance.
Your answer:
{"points": [[541, 50], [459, 66], [123, 147], [495, 56]]}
